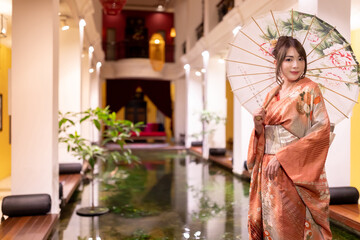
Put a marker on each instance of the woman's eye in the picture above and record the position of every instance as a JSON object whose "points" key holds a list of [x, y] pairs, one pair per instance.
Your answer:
{"points": [[301, 59], [288, 59]]}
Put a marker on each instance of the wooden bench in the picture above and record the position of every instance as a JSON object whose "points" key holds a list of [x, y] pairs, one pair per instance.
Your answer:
{"points": [[28, 227], [70, 183], [347, 215]]}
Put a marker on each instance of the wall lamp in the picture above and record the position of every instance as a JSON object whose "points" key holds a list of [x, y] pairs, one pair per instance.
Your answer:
{"points": [[3, 26]]}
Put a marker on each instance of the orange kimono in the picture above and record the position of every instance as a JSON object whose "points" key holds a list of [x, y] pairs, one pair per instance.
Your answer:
{"points": [[295, 205]]}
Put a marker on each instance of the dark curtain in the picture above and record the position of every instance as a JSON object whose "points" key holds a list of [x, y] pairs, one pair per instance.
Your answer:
{"points": [[120, 92]]}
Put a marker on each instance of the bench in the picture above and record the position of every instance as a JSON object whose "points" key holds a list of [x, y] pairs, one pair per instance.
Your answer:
{"points": [[28, 227], [346, 214], [28, 217], [70, 183]]}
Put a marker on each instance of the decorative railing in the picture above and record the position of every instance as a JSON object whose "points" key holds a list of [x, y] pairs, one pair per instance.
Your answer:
{"points": [[223, 7]]}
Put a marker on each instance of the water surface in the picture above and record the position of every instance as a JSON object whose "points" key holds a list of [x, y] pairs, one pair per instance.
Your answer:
{"points": [[170, 195]]}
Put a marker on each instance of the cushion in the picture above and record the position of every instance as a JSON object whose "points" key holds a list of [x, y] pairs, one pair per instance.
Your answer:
{"points": [[69, 168], [343, 195], [26, 205]]}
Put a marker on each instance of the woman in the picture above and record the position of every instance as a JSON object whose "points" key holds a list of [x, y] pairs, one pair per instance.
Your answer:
{"points": [[289, 194]]}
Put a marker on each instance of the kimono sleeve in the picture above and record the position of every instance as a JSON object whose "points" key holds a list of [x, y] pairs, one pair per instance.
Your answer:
{"points": [[304, 160]]}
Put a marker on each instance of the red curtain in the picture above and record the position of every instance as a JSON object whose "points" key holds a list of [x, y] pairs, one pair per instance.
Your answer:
{"points": [[120, 91]]}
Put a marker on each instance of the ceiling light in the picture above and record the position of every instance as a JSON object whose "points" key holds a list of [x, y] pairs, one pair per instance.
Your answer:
{"points": [[82, 23], [3, 26], [160, 7], [236, 30]]}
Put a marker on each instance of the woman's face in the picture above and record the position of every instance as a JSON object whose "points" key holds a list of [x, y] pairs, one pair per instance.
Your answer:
{"points": [[293, 65]]}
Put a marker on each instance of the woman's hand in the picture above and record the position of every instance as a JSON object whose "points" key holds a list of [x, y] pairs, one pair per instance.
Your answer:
{"points": [[259, 116], [272, 168]]}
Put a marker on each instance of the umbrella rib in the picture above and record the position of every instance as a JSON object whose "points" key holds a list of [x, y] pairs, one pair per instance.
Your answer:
{"points": [[250, 53], [258, 93], [329, 54], [340, 94], [321, 41], [275, 23], [333, 79], [352, 65], [313, 18], [229, 60], [253, 84], [292, 22], [256, 43], [249, 74], [335, 107], [258, 26]]}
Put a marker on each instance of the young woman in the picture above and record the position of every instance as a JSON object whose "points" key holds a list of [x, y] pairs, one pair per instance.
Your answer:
{"points": [[289, 194]]}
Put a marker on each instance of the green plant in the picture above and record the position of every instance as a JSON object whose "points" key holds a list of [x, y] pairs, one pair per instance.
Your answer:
{"points": [[116, 131]]}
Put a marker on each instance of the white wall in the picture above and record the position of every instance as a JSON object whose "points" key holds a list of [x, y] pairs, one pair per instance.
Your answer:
{"points": [[180, 22], [195, 13]]}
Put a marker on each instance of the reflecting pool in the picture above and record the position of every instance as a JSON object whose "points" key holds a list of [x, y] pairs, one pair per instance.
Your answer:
{"points": [[170, 195]]}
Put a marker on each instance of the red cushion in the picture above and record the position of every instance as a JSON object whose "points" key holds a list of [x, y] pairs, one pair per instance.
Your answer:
{"points": [[154, 134], [151, 127], [150, 134]]}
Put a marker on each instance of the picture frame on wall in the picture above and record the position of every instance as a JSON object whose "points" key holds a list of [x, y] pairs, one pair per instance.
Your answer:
{"points": [[1, 112]]}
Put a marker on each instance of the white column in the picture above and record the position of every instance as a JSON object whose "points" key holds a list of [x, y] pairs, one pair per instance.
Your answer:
{"points": [[205, 141], [336, 13], [187, 108], [243, 125], [180, 108], [69, 80], [86, 128], [216, 101], [35, 44]]}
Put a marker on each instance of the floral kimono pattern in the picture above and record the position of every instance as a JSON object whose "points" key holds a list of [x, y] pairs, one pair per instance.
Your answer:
{"points": [[295, 205]]}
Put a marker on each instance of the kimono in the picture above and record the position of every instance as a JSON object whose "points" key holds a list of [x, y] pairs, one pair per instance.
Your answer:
{"points": [[295, 204]]}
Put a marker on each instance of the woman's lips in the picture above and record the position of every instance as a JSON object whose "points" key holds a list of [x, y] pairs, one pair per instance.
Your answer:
{"points": [[294, 72]]}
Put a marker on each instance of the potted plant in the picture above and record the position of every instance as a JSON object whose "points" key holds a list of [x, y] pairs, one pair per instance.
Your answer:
{"points": [[115, 131]]}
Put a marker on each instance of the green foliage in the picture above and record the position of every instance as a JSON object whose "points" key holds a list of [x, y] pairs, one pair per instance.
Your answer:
{"points": [[116, 131]]}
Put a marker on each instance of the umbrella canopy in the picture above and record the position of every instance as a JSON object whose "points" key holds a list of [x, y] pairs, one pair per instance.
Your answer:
{"points": [[331, 61]]}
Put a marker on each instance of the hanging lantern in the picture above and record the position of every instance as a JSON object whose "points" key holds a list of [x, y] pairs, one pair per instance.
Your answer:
{"points": [[157, 52], [112, 7]]}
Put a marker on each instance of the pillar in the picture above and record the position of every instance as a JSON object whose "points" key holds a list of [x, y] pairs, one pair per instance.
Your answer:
{"points": [[35, 44], [69, 80]]}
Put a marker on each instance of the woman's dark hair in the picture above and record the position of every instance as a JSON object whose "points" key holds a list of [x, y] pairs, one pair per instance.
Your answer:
{"points": [[282, 46]]}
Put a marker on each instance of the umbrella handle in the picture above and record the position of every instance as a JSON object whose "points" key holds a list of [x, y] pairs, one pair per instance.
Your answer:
{"points": [[258, 118]]}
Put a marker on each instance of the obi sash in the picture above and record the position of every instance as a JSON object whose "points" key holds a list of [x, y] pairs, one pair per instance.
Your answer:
{"points": [[277, 137]]}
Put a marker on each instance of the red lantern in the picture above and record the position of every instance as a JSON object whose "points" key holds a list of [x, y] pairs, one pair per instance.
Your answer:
{"points": [[112, 7]]}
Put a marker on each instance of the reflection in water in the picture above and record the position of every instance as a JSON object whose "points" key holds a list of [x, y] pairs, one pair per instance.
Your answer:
{"points": [[171, 195]]}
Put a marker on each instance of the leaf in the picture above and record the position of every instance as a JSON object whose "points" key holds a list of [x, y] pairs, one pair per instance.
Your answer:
{"points": [[97, 124], [84, 118]]}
